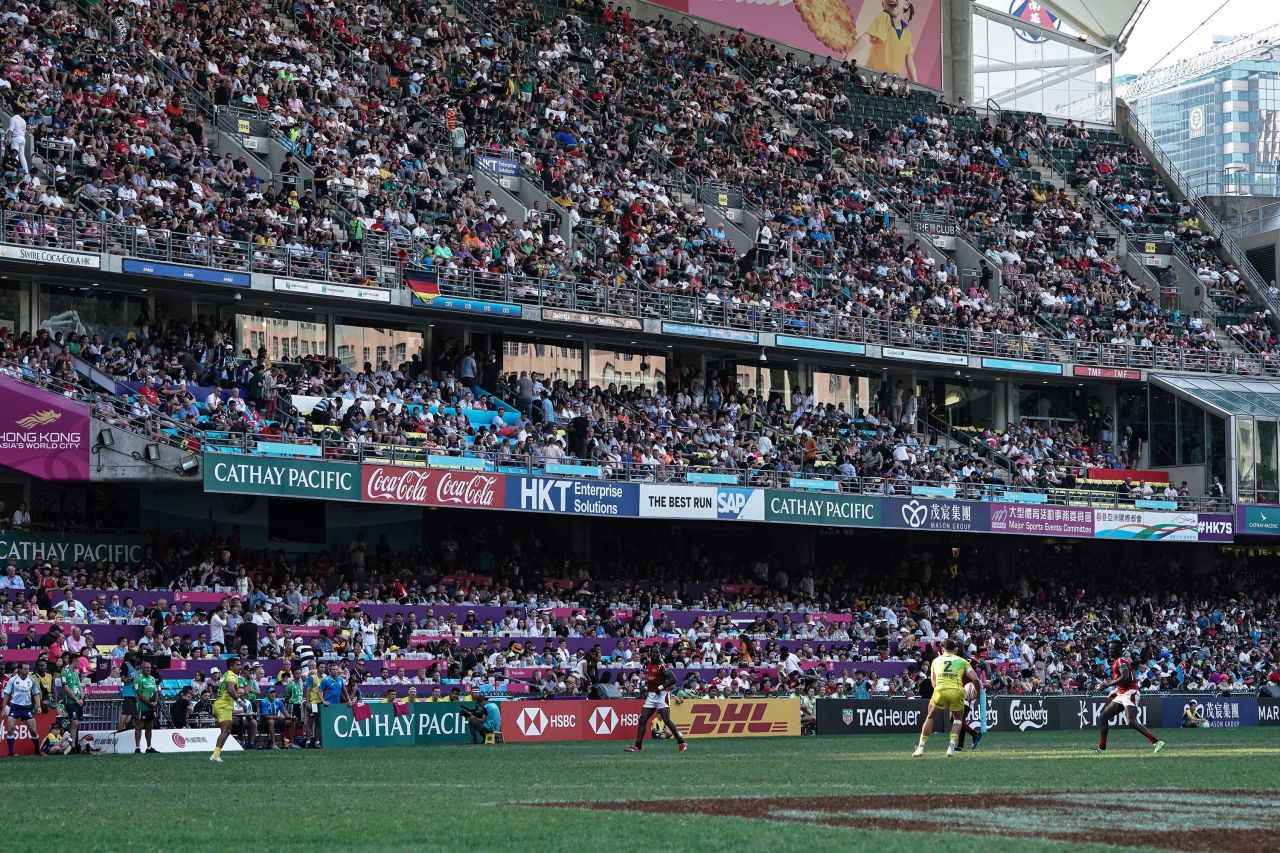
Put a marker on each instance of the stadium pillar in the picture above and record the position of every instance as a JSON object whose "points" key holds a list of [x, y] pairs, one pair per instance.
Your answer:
{"points": [[957, 38]]}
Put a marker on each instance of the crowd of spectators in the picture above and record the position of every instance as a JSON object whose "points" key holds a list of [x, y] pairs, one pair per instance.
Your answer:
{"points": [[615, 119], [769, 626]]}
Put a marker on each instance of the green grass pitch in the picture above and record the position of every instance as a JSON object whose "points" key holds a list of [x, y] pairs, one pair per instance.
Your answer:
{"points": [[1209, 790]]}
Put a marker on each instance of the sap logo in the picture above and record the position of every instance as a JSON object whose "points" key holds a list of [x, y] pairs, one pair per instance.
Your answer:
{"points": [[1026, 715], [731, 504]]}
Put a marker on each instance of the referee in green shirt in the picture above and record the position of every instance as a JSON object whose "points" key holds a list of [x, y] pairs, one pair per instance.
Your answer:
{"points": [[72, 697], [147, 691]]}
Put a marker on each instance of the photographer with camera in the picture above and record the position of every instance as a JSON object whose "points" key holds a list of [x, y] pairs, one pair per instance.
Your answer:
{"points": [[485, 717]]}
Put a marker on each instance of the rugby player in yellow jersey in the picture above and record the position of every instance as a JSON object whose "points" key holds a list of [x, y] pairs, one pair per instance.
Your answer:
{"points": [[224, 706], [948, 673]]}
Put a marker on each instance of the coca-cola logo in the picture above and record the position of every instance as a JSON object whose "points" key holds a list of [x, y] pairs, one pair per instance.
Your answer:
{"points": [[439, 488], [467, 489], [399, 485]]}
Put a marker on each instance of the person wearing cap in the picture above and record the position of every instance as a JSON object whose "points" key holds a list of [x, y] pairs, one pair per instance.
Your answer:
{"points": [[485, 717], [271, 711]]}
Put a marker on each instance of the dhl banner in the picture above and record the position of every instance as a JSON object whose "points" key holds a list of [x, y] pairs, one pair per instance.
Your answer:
{"points": [[698, 718]]}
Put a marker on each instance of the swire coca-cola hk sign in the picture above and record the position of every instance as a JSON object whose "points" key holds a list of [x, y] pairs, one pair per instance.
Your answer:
{"points": [[395, 485]]}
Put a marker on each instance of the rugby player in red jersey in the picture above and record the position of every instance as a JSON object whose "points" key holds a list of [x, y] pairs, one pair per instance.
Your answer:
{"points": [[1124, 698], [658, 681]]}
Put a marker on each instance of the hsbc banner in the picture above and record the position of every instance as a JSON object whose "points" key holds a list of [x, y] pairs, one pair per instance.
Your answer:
{"points": [[573, 496], [534, 722], [697, 718], [397, 485]]}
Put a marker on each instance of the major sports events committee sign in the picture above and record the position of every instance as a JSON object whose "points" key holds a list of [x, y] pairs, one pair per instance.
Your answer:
{"points": [[323, 479]]}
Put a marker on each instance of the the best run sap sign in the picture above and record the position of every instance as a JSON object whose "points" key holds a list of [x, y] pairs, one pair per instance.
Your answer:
{"points": [[677, 502]]}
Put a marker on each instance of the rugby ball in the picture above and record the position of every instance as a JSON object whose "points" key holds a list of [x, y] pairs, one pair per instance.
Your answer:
{"points": [[970, 692]]}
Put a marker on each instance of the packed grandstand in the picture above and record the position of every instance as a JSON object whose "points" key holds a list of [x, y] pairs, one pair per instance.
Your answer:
{"points": [[639, 142]]}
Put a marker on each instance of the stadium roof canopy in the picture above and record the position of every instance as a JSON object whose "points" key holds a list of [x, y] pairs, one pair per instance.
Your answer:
{"points": [[1108, 21]]}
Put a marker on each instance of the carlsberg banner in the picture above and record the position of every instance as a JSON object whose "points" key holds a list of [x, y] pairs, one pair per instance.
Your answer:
{"points": [[286, 478], [424, 723]]}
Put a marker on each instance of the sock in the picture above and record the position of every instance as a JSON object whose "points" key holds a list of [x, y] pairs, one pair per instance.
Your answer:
{"points": [[1102, 741], [217, 751], [1151, 738], [36, 743], [955, 738], [923, 739], [9, 741], [969, 730]]}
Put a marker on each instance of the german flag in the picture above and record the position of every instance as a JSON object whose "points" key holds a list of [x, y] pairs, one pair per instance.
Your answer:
{"points": [[424, 286]]}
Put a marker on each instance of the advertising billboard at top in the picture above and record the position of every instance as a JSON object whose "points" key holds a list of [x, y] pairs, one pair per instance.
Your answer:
{"points": [[902, 37]]}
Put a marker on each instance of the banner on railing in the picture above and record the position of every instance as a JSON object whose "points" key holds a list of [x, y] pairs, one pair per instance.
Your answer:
{"points": [[331, 290], [185, 273], [583, 318], [424, 290], [43, 434], [573, 496], [56, 257], [317, 479]]}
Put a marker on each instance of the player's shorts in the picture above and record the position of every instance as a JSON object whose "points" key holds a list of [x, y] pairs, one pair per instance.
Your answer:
{"points": [[73, 710], [1127, 698], [294, 711], [145, 714], [948, 698], [658, 700], [20, 712], [222, 713]]}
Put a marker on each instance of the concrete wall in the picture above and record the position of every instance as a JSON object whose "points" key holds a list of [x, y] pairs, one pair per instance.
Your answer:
{"points": [[125, 459]]}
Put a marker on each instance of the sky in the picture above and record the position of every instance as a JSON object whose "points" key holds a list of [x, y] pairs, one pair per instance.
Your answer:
{"points": [[1166, 22]]}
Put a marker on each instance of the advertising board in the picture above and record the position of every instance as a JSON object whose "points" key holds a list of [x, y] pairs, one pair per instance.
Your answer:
{"points": [[575, 496], [699, 718], [906, 41], [425, 723], [425, 487]]}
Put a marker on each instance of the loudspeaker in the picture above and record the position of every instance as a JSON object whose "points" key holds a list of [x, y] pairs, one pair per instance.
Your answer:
{"points": [[605, 691]]}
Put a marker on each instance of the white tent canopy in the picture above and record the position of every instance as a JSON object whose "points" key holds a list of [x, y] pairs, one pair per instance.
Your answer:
{"points": [[1104, 20]]}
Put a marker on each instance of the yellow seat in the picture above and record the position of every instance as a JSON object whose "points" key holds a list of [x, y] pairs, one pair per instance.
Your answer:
{"points": [[492, 738]]}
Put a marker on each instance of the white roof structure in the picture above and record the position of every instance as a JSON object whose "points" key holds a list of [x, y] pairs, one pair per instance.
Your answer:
{"points": [[1107, 21]]}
